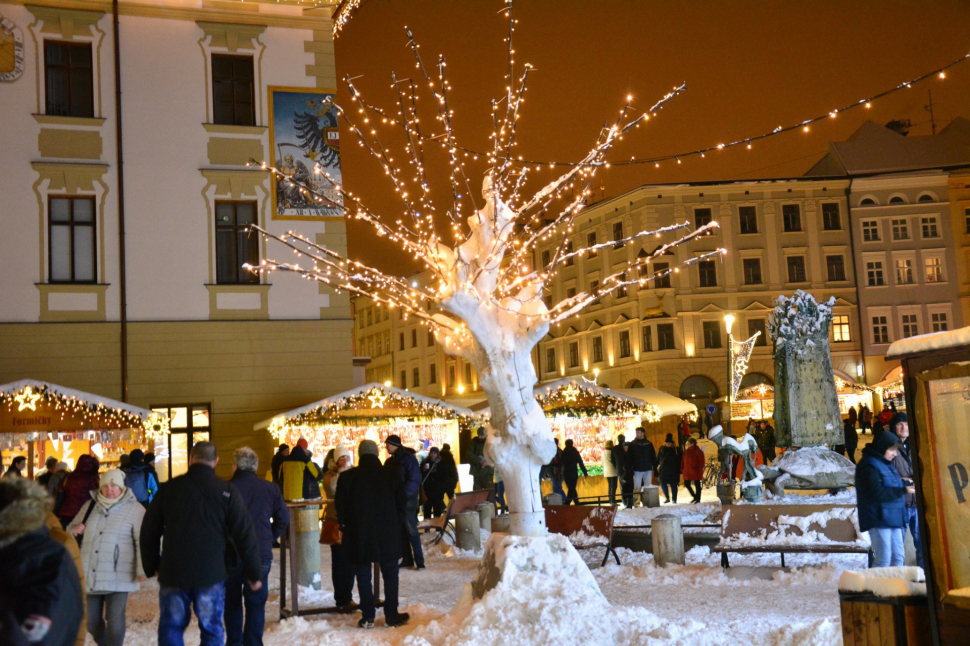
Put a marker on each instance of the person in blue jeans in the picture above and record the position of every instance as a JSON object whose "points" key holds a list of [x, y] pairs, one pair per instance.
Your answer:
{"points": [[183, 540], [881, 498], [266, 506], [904, 464]]}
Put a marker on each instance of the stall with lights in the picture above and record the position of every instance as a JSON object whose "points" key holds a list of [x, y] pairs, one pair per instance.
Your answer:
{"points": [[39, 419], [372, 411]]}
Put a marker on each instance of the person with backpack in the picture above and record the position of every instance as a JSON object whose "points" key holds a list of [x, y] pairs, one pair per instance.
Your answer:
{"points": [[139, 479]]}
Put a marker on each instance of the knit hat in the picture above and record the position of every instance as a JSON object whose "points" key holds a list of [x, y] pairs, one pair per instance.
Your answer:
{"points": [[340, 452], [136, 458], [283, 446], [368, 447], [114, 476], [393, 440], [901, 418], [434, 449], [669, 438], [302, 443], [884, 442]]}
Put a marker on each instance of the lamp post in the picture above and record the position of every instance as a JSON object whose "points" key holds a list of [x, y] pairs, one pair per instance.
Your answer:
{"points": [[728, 324]]}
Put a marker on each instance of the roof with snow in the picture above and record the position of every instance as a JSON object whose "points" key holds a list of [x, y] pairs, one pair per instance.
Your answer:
{"points": [[934, 342], [877, 149], [87, 411]]}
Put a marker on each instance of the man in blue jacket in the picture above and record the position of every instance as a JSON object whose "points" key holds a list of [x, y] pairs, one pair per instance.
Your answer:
{"points": [[402, 459], [881, 497], [266, 506]]}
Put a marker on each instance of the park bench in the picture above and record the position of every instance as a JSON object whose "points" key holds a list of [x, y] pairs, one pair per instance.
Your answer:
{"points": [[461, 502], [790, 529], [586, 527]]}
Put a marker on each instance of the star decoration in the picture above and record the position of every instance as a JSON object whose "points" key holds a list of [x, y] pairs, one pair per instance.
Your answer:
{"points": [[27, 398], [377, 398], [570, 394], [156, 426]]}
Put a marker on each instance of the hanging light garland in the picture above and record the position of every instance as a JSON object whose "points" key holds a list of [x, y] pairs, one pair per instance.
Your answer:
{"points": [[93, 413]]}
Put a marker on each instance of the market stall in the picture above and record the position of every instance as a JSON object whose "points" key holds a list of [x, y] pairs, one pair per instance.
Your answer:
{"points": [[372, 411], [39, 419]]}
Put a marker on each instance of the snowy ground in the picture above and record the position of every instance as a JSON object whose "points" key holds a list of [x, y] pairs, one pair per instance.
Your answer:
{"points": [[695, 604]]}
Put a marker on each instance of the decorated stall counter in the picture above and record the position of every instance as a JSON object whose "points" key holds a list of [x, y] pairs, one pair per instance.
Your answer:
{"points": [[372, 411], [40, 419]]}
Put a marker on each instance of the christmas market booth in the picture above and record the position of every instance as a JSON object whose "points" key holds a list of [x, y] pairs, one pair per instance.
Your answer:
{"points": [[372, 412], [39, 420], [758, 402]]}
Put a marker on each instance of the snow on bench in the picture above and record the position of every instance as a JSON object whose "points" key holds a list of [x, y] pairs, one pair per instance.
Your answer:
{"points": [[585, 527], [467, 501], [790, 529]]}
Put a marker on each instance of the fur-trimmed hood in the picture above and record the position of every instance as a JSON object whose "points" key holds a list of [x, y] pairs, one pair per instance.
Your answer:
{"points": [[24, 506]]}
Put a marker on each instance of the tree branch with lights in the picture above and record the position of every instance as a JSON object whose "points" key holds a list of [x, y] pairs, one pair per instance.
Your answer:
{"points": [[486, 292]]}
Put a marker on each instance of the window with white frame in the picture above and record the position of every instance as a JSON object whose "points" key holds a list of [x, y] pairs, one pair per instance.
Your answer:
{"points": [[900, 229], [933, 267], [840, 328], [875, 276], [939, 322], [72, 254], [870, 230], [910, 325], [880, 329], [929, 227], [904, 271]]}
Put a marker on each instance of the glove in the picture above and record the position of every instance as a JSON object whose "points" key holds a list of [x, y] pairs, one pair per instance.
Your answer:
{"points": [[35, 628]]}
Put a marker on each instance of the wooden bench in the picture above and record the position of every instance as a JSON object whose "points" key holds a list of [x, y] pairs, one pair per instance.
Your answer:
{"points": [[585, 526], [461, 502], [749, 529]]}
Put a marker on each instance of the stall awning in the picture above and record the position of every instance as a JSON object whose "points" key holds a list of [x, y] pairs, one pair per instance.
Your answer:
{"points": [[667, 403], [584, 397], [934, 342], [370, 401], [29, 406]]}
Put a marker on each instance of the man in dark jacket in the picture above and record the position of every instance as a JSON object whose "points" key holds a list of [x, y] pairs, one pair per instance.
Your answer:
{"points": [[370, 503], [881, 498], [621, 460], [40, 591], [850, 441], [139, 478], [479, 467], [904, 465], [451, 470], [198, 514], [643, 458], [402, 461], [269, 514], [572, 460], [553, 471], [669, 461], [434, 481], [277, 464]]}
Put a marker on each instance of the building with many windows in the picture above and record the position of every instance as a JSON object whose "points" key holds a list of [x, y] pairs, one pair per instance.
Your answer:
{"points": [[161, 312]]}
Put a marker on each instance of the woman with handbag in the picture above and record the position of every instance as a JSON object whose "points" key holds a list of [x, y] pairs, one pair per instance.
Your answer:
{"points": [[341, 572]]}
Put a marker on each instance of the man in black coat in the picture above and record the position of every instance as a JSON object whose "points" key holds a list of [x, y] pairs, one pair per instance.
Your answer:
{"points": [[198, 515], [40, 591], [621, 460], [277, 464], [571, 460], [643, 459], [371, 504], [402, 461]]}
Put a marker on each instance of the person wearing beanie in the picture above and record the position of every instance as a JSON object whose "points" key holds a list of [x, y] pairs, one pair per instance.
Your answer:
{"points": [[370, 501], [39, 586], [670, 457], [139, 478], [302, 443], [401, 459], [881, 498], [341, 572], [904, 465], [108, 528], [571, 461], [277, 464]]}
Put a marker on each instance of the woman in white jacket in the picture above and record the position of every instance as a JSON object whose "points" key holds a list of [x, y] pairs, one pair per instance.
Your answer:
{"points": [[110, 525], [609, 471]]}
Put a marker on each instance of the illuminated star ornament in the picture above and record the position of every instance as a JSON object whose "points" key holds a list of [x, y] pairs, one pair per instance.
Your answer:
{"points": [[377, 398], [156, 426], [278, 429], [570, 394], [27, 398]]}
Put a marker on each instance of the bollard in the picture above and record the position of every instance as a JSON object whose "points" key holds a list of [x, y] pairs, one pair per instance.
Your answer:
{"points": [[668, 540], [486, 512], [552, 499], [468, 534], [307, 521], [725, 493], [501, 524], [650, 496]]}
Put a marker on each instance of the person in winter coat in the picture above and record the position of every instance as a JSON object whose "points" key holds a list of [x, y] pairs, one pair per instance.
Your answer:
{"points": [[54, 484], [609, 471], [481, 470], [269, 514], [885, 415], [60, 535], [554, 471], [44, 477], [643, 459], [768, 441], [434, 482], [16, 468], [571, 461], [76, 488], [668, 468], [150, 463], [401, 460], [277, 463], [299, 475], [865, 419], [853, 416], [450, 469], [139, 478], [881, 498], [205, 524], [904, 465], [40, 591], [684, 430], [341, 571], [501, 505], [622, 462], [110, 524], [370, 503], [692, 467], [851, 440]]}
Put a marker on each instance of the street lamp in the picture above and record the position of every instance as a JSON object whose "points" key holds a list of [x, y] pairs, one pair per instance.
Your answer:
{"points": [[728, 324]]}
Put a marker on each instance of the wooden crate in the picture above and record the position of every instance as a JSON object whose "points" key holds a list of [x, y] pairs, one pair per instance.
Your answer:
{"points": [[868, 620]]}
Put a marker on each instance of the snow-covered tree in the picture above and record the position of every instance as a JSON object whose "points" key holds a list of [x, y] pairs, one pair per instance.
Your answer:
{"points": [[486, 295]]}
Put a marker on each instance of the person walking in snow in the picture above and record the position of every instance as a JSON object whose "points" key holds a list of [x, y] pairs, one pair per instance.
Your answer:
{"points": [[341, 572], [692, 466], [622, 461], [609, 471], [554, 471], [881, 498], [450, 469], [571, 461], [401, 460], [850, 441], [643, 459], [668, 468], [110, 526]]}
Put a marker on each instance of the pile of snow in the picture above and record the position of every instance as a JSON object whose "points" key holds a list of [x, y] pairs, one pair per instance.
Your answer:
{"points": [[885, 581], [811, 467], [796, 530], [844, 497], [689, 515]]}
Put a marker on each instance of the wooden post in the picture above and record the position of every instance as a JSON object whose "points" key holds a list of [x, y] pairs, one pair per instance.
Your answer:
{"points": [[467, 531], [650, 496], [668, 540], [486, 512]]}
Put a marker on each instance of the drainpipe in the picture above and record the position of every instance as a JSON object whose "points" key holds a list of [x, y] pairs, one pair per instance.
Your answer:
{"points": [[121, 207], [859, 275]]}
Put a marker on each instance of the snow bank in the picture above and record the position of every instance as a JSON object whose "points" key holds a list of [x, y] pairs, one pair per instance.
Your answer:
{"points": [[885, 581], [795, 530], [812, 467]]}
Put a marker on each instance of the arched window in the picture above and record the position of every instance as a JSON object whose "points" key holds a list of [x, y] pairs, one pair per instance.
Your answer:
{"points": [[926, 197], [754, 379], [867, 202], [635, 384], [896, 199]]}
